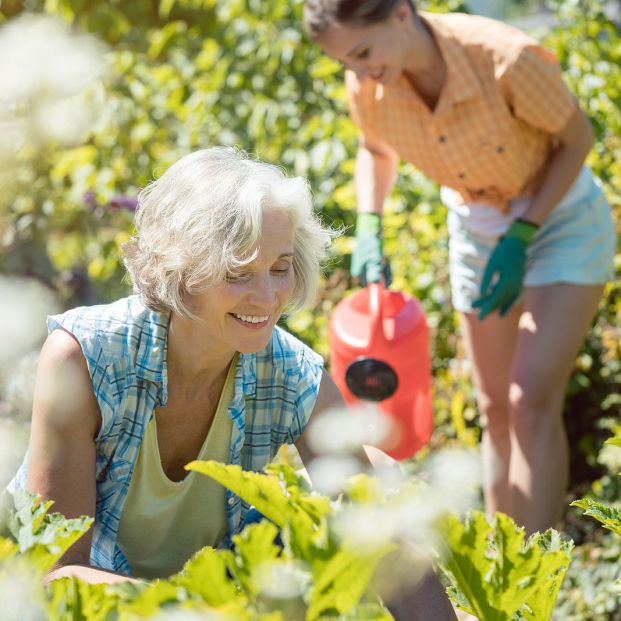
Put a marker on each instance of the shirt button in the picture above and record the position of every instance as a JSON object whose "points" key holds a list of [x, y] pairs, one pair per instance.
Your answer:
{"points": [[155, 350], [231, 500], [442, 138]]}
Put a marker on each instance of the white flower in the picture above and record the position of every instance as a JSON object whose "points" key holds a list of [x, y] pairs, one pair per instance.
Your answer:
{"points": [[13, 442], [48, 83], [22, 316], [340, 432], [282, 579], [40, 56]]}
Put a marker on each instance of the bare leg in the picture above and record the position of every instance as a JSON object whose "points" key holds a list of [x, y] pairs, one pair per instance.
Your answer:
{"points": [[490, 345], [552, 328]]}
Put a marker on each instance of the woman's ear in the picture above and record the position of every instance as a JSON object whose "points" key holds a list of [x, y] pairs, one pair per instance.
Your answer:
{"points": [[403, 11]]}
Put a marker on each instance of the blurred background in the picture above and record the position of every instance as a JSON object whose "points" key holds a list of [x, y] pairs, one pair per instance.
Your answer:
{"points": [[99, 97]]}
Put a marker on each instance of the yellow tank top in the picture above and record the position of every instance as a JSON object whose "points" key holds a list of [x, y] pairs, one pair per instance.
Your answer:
{"points": [[165, 522]]}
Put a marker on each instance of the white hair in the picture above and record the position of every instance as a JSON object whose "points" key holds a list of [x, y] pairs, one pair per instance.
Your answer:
{"points": [[201, 220]]}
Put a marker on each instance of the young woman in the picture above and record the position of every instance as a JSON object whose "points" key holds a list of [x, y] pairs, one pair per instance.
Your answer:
{"points": [[192, 367], [481, 108]]}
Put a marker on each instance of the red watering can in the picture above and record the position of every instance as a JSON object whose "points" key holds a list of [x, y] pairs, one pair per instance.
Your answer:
{"points": [[379, 352]]}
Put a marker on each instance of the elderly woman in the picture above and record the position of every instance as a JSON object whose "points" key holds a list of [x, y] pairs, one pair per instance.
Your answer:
{"points": [[192, 367]]}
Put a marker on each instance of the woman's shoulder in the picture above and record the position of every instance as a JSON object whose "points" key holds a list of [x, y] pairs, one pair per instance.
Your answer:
{"points": [[480, 33], [112, 330], [99, 316]]}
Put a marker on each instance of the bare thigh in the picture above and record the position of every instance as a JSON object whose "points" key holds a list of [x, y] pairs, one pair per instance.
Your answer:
{"points": [[490, 345], [552, 328]]}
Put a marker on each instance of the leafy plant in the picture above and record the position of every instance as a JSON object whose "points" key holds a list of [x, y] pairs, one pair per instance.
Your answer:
{"points": [[497, 575], [608, 515], [34, 534], [337, 574]]}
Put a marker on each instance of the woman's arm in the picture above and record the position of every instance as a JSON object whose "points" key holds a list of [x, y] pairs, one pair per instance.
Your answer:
{"points": [[374, 176], [574, 143], [61, 453], [328, 398]]}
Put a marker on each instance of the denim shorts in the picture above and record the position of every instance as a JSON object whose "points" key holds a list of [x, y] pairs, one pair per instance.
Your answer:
{"points": [[576, 244]]}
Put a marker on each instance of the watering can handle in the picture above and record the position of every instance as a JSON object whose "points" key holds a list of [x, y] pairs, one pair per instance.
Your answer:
{"points": [[375, 307]]}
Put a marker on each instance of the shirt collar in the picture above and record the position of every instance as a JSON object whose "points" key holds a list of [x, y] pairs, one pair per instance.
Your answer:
{"points": [[246, 375], [462, 82], [152, 343], [153, 347]]}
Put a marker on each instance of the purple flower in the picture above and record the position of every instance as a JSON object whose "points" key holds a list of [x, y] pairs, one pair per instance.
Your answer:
{"points": [[124, 202], [90, 200]]}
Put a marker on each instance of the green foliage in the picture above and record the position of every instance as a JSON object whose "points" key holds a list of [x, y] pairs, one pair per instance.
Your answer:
{"points": [[80, 601], [40, 537], [591, 589], [328, 578], [609, 516], [338, 574], [496, 574], [595, 581]]}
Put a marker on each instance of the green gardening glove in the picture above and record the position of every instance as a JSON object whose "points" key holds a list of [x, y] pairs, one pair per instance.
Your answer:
{"points": [[505, 270], [366, 260]]}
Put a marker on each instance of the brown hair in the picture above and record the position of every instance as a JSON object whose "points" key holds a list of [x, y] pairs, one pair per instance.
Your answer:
{"points": [[319, 14]]}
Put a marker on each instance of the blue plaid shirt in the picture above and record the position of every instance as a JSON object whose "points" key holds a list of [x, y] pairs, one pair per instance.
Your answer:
{"points": [[124, 344]]}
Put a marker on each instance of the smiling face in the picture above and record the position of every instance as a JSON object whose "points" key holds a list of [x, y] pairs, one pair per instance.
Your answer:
{"points": [[379, 51], [239, 313]]}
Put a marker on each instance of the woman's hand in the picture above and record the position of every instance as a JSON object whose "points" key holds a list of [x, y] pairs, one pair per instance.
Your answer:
{"points": [[504, 274], [93, 575]]}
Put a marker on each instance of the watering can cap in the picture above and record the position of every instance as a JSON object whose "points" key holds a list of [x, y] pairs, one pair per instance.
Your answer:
{"points": [[371, 379]]}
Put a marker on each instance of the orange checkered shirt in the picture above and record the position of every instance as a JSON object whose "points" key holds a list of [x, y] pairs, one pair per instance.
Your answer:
{"points": [[491, 132]]}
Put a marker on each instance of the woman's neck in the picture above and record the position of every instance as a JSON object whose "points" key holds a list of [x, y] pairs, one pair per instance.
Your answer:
{"points": [[427, 69], [191, 358]]}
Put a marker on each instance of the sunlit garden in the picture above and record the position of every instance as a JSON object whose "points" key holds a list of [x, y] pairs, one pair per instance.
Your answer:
{"points": [[98, 99]]}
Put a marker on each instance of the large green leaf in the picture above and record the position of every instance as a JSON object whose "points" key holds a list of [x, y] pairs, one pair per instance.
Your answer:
{"points": [[608, 515], [343, 580], [76, 600], [205, 575], [497, 571], [42, 537]]}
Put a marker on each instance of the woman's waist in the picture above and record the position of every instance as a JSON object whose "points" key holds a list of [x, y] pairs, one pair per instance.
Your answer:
{"points": [[493, 220]]}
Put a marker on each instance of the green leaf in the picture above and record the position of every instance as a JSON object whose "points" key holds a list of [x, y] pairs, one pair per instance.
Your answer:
{"points": [[554, 564], [42, 537], [8, 549], [254, 547], [70, 598], [205, 575], [343, 580], [497, 572], [609, 516], [162, 38], [300, 518], [166, 6], [264, 493], [151, 599], [364, 489]]}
